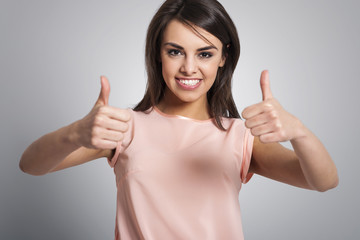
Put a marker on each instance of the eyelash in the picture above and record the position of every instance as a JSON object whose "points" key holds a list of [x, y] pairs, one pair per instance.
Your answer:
{"points": [[207, 55], [176, 52]]}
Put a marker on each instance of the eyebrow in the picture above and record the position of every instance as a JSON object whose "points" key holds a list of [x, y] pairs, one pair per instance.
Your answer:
{"points": [[181, 48]]}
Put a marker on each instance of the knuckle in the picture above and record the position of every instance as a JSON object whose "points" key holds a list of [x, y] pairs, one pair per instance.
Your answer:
{"points": [[273, 114], [112, 145], [99, 120], [270, 108], [95, 131], [267, 106], [94, 142], [127, 115], [282, 135], [278, 126], [103, 109], [125, 127]]}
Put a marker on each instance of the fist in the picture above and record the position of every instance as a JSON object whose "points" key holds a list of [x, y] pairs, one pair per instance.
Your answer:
{"points": [[267, 119], [104, 126]]}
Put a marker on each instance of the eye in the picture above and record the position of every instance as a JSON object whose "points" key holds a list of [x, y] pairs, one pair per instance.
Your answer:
{"points": [[174, 52], [205, 55]]}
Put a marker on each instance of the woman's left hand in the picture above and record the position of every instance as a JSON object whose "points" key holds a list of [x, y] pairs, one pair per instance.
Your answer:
{"points": [[268, 119]]}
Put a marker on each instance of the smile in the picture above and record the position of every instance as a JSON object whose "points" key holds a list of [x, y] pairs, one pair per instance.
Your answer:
{"points": [[188, 84]]}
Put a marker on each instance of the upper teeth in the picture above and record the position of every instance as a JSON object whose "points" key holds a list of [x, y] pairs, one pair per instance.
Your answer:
{"points": [[189, 82]]}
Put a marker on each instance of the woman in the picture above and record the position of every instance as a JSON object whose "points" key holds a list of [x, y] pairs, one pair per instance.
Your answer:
{"points": [[181, 155]]}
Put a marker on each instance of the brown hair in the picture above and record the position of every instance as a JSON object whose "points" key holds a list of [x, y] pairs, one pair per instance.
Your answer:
{"points": [[211, 16]]}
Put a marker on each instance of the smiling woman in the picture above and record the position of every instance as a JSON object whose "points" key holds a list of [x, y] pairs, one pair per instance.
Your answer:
{"points": [[189, 68], [182, 154], [207, 23]]}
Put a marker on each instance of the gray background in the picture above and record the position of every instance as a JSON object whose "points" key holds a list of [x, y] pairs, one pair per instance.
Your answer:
{"points": [[53, 52]]}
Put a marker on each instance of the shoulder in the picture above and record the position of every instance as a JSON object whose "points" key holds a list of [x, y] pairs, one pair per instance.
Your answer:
{"points": [[230, 124]]}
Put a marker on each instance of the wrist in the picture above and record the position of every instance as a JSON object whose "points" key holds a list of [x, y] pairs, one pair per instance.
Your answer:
{"points": [[300, 131], [72, 137]]}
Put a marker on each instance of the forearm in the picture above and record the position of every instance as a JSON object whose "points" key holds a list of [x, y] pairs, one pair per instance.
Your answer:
{"points": [[48, 151], [316, 163]]}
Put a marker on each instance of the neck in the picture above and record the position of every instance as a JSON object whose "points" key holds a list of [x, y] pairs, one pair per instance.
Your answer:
{"points": [[171, 105]]}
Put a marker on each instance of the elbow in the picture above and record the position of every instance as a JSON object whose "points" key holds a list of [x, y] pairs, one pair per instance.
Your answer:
{"points": [[330, 185], [30, 171], [328, 181]]}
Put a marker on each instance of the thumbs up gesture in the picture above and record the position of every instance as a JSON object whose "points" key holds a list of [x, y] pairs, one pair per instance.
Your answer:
{"points": [[104, 126], [267, 119]]}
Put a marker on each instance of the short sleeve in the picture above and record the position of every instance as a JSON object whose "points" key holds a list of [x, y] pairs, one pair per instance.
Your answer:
{"points": [[246, 158], [122, 145]]}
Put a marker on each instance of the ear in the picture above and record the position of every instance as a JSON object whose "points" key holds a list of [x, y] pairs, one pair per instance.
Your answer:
{"points": [[222, 62]]}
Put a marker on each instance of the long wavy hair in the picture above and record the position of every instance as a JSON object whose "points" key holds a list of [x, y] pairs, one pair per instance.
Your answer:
{"points": [[211, 16]]}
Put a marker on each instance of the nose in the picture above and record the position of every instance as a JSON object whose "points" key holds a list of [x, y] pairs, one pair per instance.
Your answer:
{"points": [[189, 66]]}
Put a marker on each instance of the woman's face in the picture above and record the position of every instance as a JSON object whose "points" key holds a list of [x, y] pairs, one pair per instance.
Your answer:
{"points": [[189, 62]]}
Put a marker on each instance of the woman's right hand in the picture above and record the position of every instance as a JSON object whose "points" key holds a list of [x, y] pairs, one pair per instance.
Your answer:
{"points": [[90, 138], [104, 126]]}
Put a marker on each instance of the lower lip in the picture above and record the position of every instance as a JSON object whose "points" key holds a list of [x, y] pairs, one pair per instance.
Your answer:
{"points": [[188, 87]]}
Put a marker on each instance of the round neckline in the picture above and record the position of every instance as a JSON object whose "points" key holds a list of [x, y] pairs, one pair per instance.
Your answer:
{"points": [[181, 117]]}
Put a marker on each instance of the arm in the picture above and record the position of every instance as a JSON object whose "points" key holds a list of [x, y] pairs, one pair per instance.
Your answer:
{"points": [[56, 151], [90, 138], [308, 166], [276, 162]]}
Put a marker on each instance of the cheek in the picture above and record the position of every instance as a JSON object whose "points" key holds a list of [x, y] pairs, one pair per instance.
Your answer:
{"points": [[210, 70], [168, 68]]}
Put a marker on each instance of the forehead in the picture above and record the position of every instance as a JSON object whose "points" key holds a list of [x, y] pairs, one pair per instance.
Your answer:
{"points": [[186, 36]]}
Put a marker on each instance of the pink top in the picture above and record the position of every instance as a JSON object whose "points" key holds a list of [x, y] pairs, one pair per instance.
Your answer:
{"points": [[179, 178]]}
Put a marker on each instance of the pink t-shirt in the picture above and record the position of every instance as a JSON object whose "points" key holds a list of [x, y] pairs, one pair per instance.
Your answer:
{"points": [[179, 178]]}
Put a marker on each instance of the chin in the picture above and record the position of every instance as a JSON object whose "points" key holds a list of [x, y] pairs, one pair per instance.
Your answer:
{"points": [[188, 98], [184, 96]]}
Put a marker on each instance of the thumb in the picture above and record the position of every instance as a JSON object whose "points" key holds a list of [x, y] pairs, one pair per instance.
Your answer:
{"points": [[265, 85], [104, 92]]}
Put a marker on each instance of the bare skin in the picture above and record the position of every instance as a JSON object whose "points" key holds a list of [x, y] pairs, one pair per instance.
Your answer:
{"points": [[308, 166], [97, 134], [87, 139]]}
